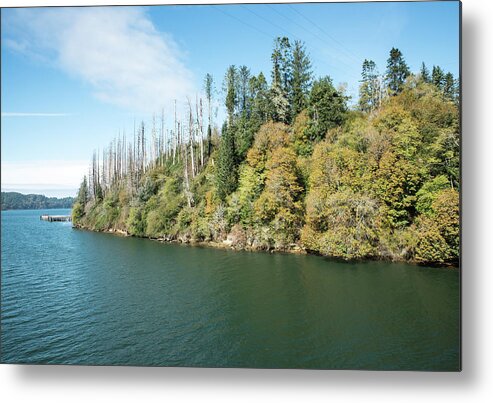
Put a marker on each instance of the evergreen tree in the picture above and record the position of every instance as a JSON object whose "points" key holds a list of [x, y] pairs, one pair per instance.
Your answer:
{"points": [[438, 77], [302, 77], [83, 195], [425, 73], [243, 90], [281, 79], [230, 84], [261, 102], [369, 91], [327, 108], [397, 72], [226, 170], [208, 87], [449, 86]]}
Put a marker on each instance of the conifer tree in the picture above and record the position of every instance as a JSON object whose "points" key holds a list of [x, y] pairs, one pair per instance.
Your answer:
{"points": [[226, 174], [437, 77], [261, 102], [281, 78], [449, 86], [369, 92], [230, 84], [302, 77], [425, 73], [243, 90], [83, 195], [397, 72], [327, 108]]}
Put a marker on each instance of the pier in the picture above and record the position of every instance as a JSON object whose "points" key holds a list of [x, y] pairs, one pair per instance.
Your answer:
{"points": [[52, 218]]}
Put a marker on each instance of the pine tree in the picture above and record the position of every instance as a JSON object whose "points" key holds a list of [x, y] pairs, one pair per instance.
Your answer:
{"points": [[226, 170], [425, 73], [301, 78], [369, 92], [437, 77], [397, 72]]}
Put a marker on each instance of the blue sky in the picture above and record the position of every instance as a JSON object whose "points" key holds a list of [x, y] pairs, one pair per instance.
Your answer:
{"points": [[72, 78]]}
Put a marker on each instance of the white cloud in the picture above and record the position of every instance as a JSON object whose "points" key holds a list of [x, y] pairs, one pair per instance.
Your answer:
{"points": [[37, 176], [117, 51]]}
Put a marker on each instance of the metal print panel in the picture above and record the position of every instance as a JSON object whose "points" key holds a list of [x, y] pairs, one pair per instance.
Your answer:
{"points": [[244, 185]]}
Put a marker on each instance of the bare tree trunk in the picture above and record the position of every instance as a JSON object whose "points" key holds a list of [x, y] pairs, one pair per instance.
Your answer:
{"points": [[175, 136], [200, 124], [190, 135], [187, 180]]}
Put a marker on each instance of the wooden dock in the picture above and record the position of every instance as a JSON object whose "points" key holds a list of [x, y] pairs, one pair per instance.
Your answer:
{"points": [[52, 218]]}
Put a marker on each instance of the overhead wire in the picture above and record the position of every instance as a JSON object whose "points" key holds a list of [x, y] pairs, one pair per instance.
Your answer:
{"points": [[272, 37], [349, 53]]}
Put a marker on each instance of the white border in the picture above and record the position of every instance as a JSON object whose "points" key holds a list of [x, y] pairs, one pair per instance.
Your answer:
{"points": [[120, 384]]}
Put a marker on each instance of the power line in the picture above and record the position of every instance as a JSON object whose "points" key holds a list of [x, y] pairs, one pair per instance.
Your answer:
{"points": [[294, 36], [344, 48], [296, 23], [242, 22], [330, 65], [315, 36]]}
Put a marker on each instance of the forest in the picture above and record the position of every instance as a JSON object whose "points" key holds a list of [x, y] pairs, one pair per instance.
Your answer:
{"points": [[296, 167], [19, 201]]}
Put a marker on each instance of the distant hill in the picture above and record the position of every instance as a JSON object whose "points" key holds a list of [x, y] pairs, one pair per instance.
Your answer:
{"points": [[19, 201]]}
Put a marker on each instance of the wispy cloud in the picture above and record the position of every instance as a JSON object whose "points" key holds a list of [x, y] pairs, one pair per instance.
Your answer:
{"points": [[33, 114], [47, 175], [117, 51]]}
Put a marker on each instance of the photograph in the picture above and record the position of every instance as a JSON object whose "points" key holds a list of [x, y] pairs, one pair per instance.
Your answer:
{"points": [[261, 186]]}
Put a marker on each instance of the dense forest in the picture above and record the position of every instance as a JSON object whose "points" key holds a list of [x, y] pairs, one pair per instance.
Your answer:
{"points": [[19, 201], [294, 167]]}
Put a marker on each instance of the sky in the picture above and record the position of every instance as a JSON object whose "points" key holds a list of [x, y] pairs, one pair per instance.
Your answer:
{"points": [[73, 78]]}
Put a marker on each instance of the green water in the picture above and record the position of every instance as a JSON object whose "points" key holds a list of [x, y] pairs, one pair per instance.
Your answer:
{"points": [[71, 296]]}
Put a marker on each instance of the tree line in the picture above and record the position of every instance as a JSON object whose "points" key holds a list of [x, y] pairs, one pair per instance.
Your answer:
{"points": [[19, 201], [293, 165]]}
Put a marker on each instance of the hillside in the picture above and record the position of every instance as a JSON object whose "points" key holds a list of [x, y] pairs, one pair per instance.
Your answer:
{"points": [[295, 169], [19, 201]]}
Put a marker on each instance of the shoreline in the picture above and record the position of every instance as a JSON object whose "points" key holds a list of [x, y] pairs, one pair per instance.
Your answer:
{"points": [[227, 245]]}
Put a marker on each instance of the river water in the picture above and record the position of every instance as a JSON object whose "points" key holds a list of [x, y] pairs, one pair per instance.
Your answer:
{"points": [[76, 297]]}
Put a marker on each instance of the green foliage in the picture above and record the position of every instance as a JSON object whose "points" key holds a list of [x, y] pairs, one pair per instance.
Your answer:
{"points": [[327, 108], [397, 72], [230, 83], [369, 92], [396, 182], [439, 230], [279, 206], [425, 73], [77, 212], [226, 170], [294, 168], [19, 201], [429, 192], [301, 78], [261, 104], [438, 77], [340, 224], [301, 135]]}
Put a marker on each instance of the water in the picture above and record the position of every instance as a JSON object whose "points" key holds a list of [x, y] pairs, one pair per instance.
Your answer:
{"points": [[76, 297]]}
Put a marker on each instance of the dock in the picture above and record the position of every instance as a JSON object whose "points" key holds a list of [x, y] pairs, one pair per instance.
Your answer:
{"points": [[52, 218]]}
